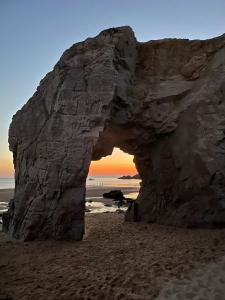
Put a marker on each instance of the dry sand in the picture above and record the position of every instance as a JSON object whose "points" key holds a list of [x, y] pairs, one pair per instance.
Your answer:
{"points": [[207, 282], [116, 260]]}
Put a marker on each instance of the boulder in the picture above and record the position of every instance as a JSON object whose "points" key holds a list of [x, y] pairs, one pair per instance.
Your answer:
{"points": [[130, 177], [117, 195]]}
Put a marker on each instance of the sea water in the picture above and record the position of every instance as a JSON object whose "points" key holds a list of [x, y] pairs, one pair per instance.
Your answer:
{"points": [[111, 181], [7, 183], [93, 181]]}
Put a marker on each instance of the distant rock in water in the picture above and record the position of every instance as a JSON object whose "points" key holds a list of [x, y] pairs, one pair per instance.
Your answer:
{"points": [[91, 179], [162, 101], [137, 176], [125, 177]]}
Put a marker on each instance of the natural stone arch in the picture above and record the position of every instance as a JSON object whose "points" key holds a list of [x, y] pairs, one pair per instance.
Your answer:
{"points": [[161, 101]]}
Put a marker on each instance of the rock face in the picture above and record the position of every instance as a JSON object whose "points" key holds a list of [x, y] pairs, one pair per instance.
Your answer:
{"points": [[161, 101]]}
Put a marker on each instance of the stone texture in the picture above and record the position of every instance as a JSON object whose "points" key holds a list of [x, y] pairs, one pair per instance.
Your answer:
{"points": [[161, 101]]}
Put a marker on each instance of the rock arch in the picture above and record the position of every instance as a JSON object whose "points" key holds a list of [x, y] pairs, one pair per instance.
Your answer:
{"points": [[161, 101]]}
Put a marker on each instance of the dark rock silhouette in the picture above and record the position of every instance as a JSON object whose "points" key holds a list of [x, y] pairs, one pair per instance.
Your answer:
{"points": [[115, 194], [125, 177], [161, 101], [130, 177]]}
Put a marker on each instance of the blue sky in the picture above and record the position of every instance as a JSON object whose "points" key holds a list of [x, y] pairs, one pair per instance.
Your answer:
{"points": [[34, 34]]}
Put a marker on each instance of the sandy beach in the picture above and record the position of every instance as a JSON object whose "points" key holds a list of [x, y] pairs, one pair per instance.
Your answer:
{"points": [[115, 260]]}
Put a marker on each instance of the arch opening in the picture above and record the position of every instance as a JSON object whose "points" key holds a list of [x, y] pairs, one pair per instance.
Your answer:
{"points": [[118, 163], [115, 172]]}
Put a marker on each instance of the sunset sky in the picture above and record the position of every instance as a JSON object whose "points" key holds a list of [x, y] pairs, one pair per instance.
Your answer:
{"points": [[34, 34], [119, 163]]}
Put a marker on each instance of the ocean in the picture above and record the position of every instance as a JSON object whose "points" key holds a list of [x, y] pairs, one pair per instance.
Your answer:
{"points": [[92, 181], [111, 181]]}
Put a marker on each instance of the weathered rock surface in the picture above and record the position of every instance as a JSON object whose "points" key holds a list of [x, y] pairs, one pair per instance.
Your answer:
{"points": [[161, 101]]}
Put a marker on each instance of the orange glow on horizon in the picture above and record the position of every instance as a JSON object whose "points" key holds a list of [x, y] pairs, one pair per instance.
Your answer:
{"points": [[119, 163], [6, 166]]}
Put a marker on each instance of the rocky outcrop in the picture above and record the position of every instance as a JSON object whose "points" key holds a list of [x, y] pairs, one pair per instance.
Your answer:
{"points": [[130, 177], [161, 101], [114, 194]]}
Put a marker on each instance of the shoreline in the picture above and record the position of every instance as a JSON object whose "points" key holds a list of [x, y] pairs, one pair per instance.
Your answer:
{"points": [[91, 191]]}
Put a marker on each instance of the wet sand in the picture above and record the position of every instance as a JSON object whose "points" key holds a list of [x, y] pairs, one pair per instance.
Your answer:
{"points": [[95, 191], [115, 260], [6, 195]]}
